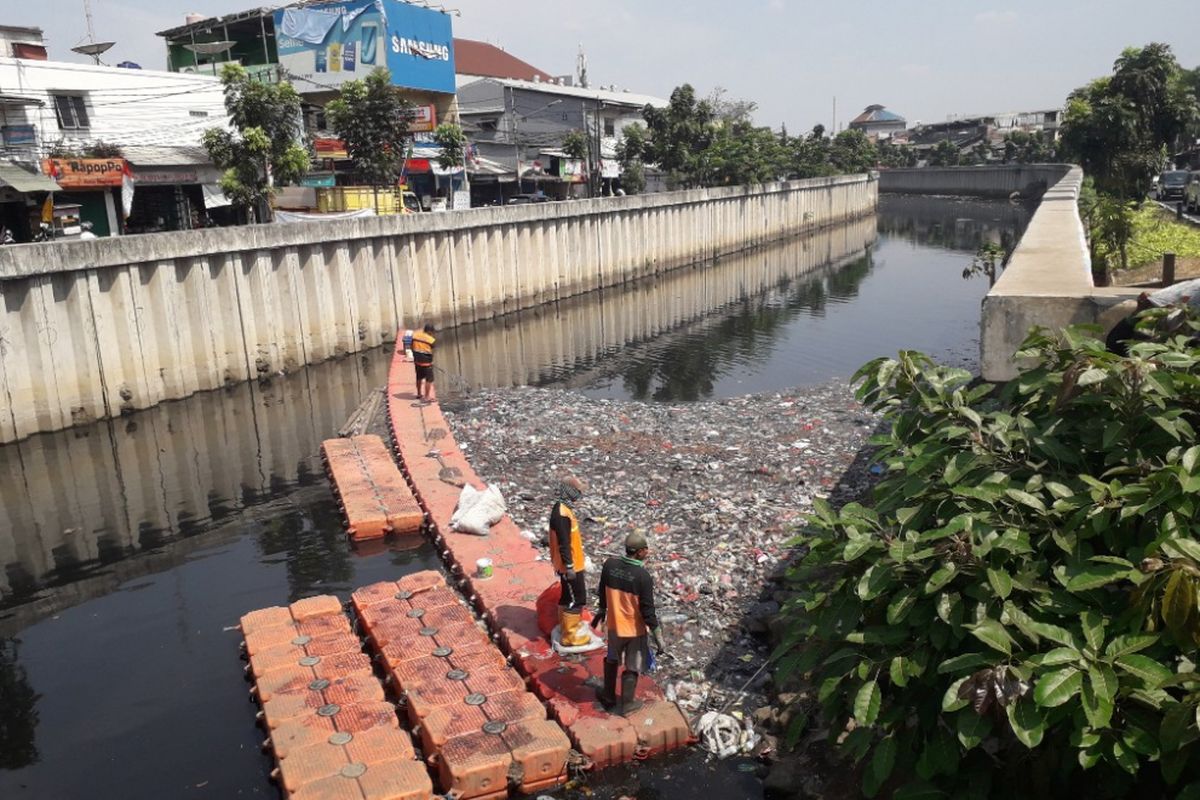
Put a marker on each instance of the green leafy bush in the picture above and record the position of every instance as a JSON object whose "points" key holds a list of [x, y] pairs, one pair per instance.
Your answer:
{"points": [[1017, 614]]}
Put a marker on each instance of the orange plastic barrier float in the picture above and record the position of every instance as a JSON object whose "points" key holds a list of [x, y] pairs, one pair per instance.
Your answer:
{"points": [[329, 726], [372, 493], [436, 469], [479, 726]]}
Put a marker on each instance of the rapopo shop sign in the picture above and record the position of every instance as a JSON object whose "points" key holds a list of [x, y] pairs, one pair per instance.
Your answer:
{"points": [[85, 173], [323, 46]]}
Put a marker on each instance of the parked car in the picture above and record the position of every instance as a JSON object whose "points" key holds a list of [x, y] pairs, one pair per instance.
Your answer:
{"points": [[1191, 193], [520, 199], [1171, 185]]}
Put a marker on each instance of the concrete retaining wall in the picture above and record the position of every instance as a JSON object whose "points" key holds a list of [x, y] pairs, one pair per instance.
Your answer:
{"points": [[1029, 180], [1048, 282], [92, 329]]}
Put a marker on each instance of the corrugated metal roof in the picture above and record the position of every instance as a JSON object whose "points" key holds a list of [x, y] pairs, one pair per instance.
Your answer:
{"points": [[142, 155], [24, 181], [876, 114], [603, 95]]}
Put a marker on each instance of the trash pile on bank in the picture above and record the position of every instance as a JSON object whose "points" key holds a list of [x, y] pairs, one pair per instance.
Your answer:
{"points": [[719, 487]]}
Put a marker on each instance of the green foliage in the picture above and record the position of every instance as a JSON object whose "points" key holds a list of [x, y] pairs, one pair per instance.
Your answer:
{"points": [[945, 154], [1156, 231], [453, 143], [810, 155], [988, 260], [742, 154], [853, 152], [630, 151], [1029, 148], [1109, 224], [266, 146], [575, 145], [1019, 612], [1118, 128], [371, 118], [892, 155], [714, 142], [680, 135]]}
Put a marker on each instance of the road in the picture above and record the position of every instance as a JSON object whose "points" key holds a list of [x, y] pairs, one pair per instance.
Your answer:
{"points": [[1192, 218]]}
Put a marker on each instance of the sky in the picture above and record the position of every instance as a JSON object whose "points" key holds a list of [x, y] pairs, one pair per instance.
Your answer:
{"points": [[925, 60]]}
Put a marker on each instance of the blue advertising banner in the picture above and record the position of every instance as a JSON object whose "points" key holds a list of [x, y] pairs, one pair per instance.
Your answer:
{"points": [[323, 46]]}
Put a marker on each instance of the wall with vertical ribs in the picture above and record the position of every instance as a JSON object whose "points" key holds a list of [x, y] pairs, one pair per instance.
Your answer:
{"points": [[92, 329]]}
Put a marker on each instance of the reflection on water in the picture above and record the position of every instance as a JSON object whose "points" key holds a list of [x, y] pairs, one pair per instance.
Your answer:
{"points": [[954, 223], [18, 711], [75, 504]]}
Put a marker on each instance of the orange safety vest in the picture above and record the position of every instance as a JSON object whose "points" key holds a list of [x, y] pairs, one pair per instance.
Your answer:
{"points": [[422, 347], [556, 557]]}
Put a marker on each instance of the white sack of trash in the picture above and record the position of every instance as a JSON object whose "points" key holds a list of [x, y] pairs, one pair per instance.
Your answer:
{"points": [[477, 510]]}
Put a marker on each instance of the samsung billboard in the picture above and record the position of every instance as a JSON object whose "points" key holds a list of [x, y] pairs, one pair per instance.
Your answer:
{"points": [[323, 46]]}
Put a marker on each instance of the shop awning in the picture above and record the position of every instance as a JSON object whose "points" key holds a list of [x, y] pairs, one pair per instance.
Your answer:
{"points": [[25, 181]]}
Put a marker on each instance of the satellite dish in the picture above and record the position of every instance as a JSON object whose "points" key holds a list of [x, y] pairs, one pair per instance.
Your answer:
{"points": [[92, 49], [209, 48]]}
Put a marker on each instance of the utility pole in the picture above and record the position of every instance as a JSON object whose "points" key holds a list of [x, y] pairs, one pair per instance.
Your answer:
{"points": [[833, 127], [512, 98]]}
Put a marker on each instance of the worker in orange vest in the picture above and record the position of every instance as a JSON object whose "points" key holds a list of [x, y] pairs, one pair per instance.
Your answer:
{"points": [[566, 554], [627, 607], [422, 350]]}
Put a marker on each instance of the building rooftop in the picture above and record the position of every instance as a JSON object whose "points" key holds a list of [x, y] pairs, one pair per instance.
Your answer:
{"points": [[610, 96], [876, 113], [486, 60]]}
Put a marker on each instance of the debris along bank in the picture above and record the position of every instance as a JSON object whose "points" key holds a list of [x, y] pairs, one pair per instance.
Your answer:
{"points": [[717, 486]]}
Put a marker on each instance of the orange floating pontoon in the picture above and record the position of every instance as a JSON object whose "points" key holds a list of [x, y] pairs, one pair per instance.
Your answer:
{"points": [[436, 469], [480, 727], [329, 727], [371, 491]]}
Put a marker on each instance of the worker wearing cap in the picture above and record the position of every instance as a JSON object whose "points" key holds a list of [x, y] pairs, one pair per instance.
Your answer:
{"points": [[566, 553], [627, 604], [422, 350]]}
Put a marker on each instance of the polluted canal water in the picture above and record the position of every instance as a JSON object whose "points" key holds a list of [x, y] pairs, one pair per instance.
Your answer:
{"points": [[130, 548]]}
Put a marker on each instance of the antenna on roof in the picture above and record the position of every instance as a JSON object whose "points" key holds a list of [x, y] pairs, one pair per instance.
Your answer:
{"points": [[581, 67], [92, 48]]}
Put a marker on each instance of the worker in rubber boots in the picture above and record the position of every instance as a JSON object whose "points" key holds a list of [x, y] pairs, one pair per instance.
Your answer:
{"points": [[627, 604], [422, 350], [566, 553]]}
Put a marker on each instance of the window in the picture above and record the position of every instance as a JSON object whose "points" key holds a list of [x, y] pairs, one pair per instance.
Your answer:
{"points": [[71, 111], [197, 113], [610, 128]]}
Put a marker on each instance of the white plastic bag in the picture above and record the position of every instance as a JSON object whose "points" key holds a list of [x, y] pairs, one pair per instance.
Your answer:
{"points": [[478, 511]]}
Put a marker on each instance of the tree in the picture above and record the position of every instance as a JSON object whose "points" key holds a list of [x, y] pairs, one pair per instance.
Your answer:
{"points": [[945, 154], [680, 135], [575, 145], [1119, 127], [853, 152], [810, 156], [896, 155], [452, 143], [728, 109], [1017, 615], [1036, 147], [630, 150], [266, 146], [742, 154], [371, 118]]}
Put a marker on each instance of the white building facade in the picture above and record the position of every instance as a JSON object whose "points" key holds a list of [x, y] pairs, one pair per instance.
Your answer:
{"points": [[85, 127]]}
